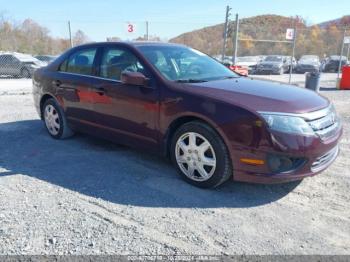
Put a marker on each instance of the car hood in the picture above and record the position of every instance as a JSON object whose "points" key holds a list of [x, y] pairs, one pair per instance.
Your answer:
{"points": [[33, 62], [259, 95], [271, 63], [308, 64]]}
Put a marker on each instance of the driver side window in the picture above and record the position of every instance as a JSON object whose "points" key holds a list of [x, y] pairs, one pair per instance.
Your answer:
{"points": [[116, 60]]}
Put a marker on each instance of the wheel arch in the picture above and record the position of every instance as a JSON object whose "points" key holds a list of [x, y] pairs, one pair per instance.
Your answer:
{"points": [[183, 119], [43, 99]]}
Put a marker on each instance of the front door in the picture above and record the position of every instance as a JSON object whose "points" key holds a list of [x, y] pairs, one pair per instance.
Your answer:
{"points": [[126, 113]]}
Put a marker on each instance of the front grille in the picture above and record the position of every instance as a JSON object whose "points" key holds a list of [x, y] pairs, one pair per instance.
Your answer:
{"points": [[266, 66], [324, 160], [326, 124], [307, 67]]}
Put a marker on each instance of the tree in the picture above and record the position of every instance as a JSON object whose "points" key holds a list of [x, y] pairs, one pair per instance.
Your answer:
{"points": [[80, 38]]}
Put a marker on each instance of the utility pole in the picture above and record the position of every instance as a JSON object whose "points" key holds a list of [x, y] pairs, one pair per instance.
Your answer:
{"points": [[235, 41], [147, 35], [341, 54], [348, 53], [70, 35], [226, 27], [293, 53]]}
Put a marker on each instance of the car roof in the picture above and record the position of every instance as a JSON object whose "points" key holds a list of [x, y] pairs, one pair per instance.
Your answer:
{"points": [[133, 43], [337, 57], [6, 53]]}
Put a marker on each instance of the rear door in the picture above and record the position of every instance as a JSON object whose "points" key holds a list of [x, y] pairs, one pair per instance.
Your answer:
{"points": [[73, 84]]}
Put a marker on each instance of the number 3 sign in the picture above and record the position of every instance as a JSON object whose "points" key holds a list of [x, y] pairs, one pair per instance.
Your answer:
{"points": [[130, 28]]}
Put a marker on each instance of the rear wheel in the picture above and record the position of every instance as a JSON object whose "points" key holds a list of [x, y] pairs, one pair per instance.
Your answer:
{"points": [[55, 120], [200, 155]]}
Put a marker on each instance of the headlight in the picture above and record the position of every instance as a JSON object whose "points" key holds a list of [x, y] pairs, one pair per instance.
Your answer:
{"points": [[288, 124]]}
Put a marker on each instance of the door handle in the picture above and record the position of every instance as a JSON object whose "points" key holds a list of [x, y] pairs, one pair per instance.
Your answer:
{"points": [[57, 83], [100, 90]]}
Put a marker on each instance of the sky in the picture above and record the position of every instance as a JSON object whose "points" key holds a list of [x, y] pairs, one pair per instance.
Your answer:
{"points": [[167, 18]]}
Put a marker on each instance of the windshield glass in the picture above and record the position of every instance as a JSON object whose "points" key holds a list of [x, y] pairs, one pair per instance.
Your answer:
{"points": [[247, 59], [26, 58], [309, 59], [178, 63], [274, 59]]}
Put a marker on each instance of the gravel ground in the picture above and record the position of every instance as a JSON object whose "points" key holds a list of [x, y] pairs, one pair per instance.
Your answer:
{"points": [[88, 196]]}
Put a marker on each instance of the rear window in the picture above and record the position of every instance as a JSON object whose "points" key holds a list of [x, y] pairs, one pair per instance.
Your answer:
{"points": [[80, 62]]}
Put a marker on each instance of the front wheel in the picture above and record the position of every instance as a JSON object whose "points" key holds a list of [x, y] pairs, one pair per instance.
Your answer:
{"points": [[55, 120], [200, 155]]}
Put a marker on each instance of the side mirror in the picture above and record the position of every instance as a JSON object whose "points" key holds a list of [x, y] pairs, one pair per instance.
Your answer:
{"points": [[134, 78]]}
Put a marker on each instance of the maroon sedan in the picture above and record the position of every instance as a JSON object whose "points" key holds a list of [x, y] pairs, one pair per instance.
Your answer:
{"points": [[212, 123]]}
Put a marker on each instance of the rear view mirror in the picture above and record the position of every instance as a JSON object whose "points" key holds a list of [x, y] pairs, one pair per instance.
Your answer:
{"points": [[134, 78]]}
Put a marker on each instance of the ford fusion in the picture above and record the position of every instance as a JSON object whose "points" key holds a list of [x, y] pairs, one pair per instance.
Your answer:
{"points": [[212, 123]]}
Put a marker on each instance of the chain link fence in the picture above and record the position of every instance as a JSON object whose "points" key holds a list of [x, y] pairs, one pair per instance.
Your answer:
{"points": [[264, 51]]}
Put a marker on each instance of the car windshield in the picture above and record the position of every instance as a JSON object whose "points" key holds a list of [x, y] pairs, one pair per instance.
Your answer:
{"points": [[26, 58], [274, 59], [247, 59], [336, 58], [311, 59], [183, 64]]}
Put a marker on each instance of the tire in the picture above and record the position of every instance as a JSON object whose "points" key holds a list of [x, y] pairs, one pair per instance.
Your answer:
{"points": [[55, 120], [187, 158], [25, 73]]}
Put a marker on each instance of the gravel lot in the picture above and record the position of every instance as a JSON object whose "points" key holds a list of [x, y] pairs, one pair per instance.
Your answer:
{"points": [[88, 196]]}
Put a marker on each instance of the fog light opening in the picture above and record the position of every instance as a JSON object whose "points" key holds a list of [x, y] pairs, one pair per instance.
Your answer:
{"points": [[284, 164]]}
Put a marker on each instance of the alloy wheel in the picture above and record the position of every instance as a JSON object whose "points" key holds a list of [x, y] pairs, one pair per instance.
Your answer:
{"points": [[195, 156], [52, 120]]}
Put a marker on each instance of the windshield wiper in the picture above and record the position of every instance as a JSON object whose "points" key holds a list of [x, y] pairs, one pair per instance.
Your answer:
{"points": [[190, 81], [231, 77]]}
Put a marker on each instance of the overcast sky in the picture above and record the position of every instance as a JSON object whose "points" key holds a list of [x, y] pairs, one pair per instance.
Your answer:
{"points": [[167, 18]]}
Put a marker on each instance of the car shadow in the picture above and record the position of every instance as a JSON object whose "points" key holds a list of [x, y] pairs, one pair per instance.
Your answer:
{"points": [[115, 173]]}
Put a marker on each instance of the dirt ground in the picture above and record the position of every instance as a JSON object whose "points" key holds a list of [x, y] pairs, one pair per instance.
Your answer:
{"points": [[88, 196]]}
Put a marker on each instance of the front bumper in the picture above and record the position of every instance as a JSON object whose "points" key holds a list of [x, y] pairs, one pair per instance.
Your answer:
{"points": [[318, 155], [306, 70], [268, 70]]}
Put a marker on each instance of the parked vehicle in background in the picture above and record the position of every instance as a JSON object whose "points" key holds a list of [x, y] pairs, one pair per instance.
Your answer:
{"points": [[331, 64], [242, 70], [46, 58], [250, 62], [308, 63], [18, 65], [292, 63], [273, 64], [174, 100]]}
